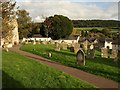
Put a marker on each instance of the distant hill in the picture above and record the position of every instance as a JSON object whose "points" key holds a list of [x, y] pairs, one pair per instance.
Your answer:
{"points": [[96, 23]]}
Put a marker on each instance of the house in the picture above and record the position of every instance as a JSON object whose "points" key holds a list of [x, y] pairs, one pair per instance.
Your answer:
{"points": [[108, 43], [116, 44]]}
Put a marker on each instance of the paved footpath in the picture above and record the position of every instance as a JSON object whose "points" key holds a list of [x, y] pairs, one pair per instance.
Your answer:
{"points": [[93, 79]]}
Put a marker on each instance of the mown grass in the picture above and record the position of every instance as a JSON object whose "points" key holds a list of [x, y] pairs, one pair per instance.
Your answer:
{"points": [[99, 66], [21, 72]]}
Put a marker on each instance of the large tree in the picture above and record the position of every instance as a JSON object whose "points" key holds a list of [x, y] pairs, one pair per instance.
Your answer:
{"points": [[24, 23], [57, 27], [7, 15]]}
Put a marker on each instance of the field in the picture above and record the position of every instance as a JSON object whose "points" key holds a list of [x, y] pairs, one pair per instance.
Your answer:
{"points": [[21, 72], [90, 28], [99, 66]]}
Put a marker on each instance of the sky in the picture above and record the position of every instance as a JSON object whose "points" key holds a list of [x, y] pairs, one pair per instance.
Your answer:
{"points": [[73, 9]]}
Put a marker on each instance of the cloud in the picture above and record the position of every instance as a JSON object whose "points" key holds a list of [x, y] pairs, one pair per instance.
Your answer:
{"points": [[79, 10]]}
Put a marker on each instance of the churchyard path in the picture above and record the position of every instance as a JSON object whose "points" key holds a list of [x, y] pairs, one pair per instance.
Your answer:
{"points": [[98, 81]]}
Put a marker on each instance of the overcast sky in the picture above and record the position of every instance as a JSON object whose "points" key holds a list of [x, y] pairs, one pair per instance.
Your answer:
{"points": [[73, 9]]}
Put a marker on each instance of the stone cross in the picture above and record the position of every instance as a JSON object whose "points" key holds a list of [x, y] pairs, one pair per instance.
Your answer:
{"points": [[80, 57]]}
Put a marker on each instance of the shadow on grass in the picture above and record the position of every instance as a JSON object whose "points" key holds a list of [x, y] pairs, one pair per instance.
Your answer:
{"points": [[9, 82], [61, 52], [105, 61]]}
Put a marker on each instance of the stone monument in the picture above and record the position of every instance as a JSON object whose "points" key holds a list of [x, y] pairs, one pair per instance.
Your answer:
{"points": [[80, 57]]}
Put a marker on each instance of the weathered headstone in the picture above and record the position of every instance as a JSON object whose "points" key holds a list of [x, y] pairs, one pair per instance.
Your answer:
{"points": [[63, 46], [91, 52], [71, 49], [104, 52], [114, 54], [34, 42], [26, 41], [44, 42], [81, 57], [57, 47], [76, 47], [49, 55]]}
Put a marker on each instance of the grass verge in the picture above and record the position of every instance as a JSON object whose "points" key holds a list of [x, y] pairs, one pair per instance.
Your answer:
{"points": [[21, 72], [99, 66]]}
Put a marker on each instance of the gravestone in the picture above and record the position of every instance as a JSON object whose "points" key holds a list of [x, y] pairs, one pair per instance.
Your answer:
{"points": [[63, 46], [104, 52], [34, 42], [44, 42], [71, 49], [76, 47], [86, 45], [49, 55], [57, 46], [91, 52], [114, 54], [26, 41], [80, 57]]}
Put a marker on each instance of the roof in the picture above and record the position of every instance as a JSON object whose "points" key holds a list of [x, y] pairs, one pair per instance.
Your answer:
{"points": [[37, 36], [109, 39], [117, 41]]}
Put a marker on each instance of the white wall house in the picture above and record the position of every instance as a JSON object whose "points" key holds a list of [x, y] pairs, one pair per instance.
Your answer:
{"points": [[108, 43], [116, 44], [36, 39]]}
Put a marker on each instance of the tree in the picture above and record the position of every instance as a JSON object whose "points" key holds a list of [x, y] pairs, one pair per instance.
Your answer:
{"points": [[106, 31], [42, 30], [58, 27], [8, 14], [24, 24]]}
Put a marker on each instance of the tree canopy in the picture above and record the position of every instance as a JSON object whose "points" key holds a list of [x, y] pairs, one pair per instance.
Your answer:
{"points": [[24, 23], [8, 14], [57, 27]]}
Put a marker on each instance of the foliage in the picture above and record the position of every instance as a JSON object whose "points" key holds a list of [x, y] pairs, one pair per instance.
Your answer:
{"points": [[8, 14], [95, 23], [35, 29], [24, 24], [21, 72], [42, 30], [99, 66], [58, 27]]}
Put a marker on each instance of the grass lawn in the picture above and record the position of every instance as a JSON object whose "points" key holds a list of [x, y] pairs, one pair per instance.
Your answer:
{"points": [[21, 72], [103, 67]]}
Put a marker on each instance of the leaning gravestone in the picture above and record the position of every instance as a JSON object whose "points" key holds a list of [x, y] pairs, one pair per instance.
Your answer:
{"points": [[104, 52], [81, 57], [114, 54]]}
